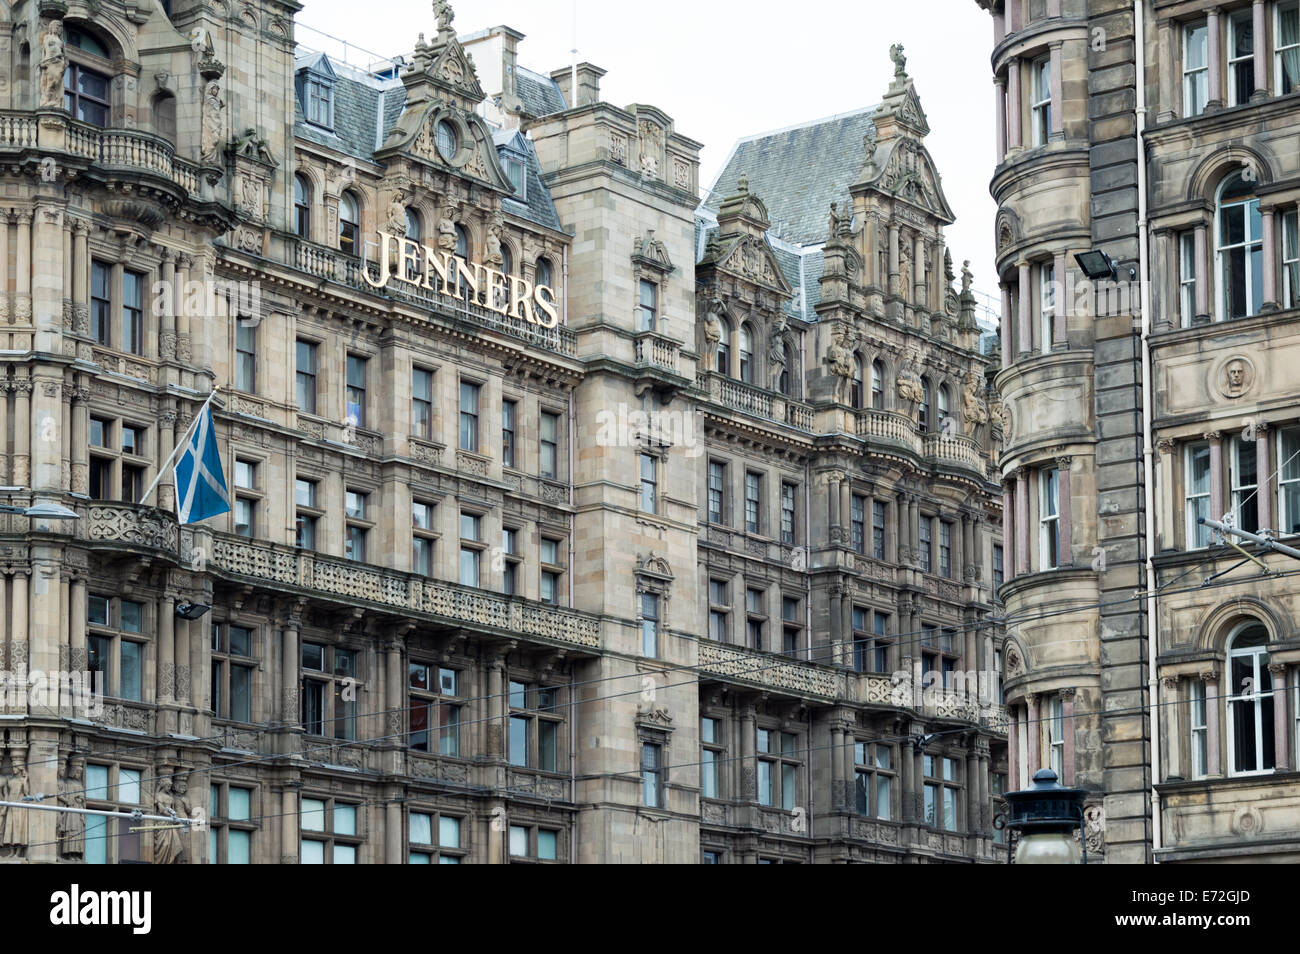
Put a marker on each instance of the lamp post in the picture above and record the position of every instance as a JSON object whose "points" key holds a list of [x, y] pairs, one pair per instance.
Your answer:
{"points": [[42, 511], [1047, 815]]}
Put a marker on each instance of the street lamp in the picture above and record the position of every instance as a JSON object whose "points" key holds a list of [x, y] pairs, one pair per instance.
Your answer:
{"points": [[42, 511], [1047, 815]]}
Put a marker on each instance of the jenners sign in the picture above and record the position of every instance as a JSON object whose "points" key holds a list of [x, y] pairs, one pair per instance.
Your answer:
{"points": [[448, 274]]}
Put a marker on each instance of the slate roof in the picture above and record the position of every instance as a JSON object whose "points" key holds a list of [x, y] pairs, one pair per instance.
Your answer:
{"points": [[537, 207], [798, 172], [366, 107], [356, 109], [539, 94]]}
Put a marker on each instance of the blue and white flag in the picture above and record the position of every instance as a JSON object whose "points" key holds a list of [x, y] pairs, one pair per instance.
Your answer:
{"points": [[200, 484]]}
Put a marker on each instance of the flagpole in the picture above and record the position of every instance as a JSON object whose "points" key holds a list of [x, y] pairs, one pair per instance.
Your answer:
{"points": [[184, 437]]}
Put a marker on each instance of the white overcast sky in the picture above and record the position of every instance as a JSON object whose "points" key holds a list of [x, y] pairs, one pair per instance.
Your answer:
{"points": [[724, 69]]}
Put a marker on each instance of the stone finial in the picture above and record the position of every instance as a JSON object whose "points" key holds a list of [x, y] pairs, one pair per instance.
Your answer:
{"points": [[900, 61]]}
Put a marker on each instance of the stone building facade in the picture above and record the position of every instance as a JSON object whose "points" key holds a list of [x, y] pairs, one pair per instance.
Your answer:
{"points": [[1149, 664], [474, 395]]}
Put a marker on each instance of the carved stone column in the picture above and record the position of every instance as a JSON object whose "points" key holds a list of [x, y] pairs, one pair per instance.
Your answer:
{"points": [[1267, 221], [1057, 131], [22, 385], [1213, 705], [23, 289], [748, 766], [80, 436], [1171, 710], [1034, 734], [1264, 474], [1281, 700], [1067, 737], [1214, 97], [1022, 522], [1000, 118], [1006, 332], [1261, 62], [1065, 525], [1013, 105], [1199, 251], [1025, 315]]}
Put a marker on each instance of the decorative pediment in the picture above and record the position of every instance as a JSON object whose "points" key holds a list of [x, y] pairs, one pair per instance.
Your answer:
{"points": [[415, 134], [454, 68], [751, 258], [654, 566], [648, 251], [908, 173]]}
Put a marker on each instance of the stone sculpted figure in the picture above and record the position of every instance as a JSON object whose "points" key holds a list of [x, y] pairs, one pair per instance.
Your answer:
{"points": [[15, 823], [966, 276], [493, 254], [712, 333], [72, 825], [973, 409], [52, 65], [909, 380], [840, 358], [900, 61], [447, 230], [445, 14], [397, 214], [166, 840], [210, 137]]}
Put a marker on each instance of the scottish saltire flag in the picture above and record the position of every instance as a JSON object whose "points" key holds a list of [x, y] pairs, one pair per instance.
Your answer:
{"points": [[200, 484]]}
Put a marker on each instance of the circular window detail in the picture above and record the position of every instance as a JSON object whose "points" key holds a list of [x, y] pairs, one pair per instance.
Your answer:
{"points": [[447, 140]]}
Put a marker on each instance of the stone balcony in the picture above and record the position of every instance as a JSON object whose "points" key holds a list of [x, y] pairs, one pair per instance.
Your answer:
{"points": [[891, 432], [127, 150], [756, 402], [308, 573], [654, 350]]}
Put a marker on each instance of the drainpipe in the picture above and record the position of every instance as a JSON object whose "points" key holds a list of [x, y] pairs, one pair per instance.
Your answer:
{"points": [[1148, 455]]}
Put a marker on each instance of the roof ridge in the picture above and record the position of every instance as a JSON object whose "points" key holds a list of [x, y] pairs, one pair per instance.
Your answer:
{"points": [[811, 122]]}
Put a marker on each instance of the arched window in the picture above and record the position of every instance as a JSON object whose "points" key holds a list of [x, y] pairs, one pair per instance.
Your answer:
{"points": [[746, 355], [1250, 701], [943, 404], [1239, 231], [787, 378], [923, 419], [462, 251], [415, 233], [855, 391], [723, 361], [164, 115], [301, 206], [507, 260], [86, 90], [349, 224], [878, 385], [542, 273]]}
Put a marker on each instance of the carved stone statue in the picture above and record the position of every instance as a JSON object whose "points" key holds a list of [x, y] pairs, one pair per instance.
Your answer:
{"points": [[966, 276], [904, 271], [492, 254], [72, 825], [840, 358], [900, 61], [210, 139], [447, 231], [15, 789], [397, 214], [973, 409], [52, 65], [833, 224], [712, 333], [909, 380], [445, 14], [167, 845], [776, 341]]}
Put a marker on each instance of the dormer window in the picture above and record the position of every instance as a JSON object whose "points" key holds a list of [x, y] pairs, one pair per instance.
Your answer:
{"points": [[319, 106], [516, 172], [315, 87]]}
